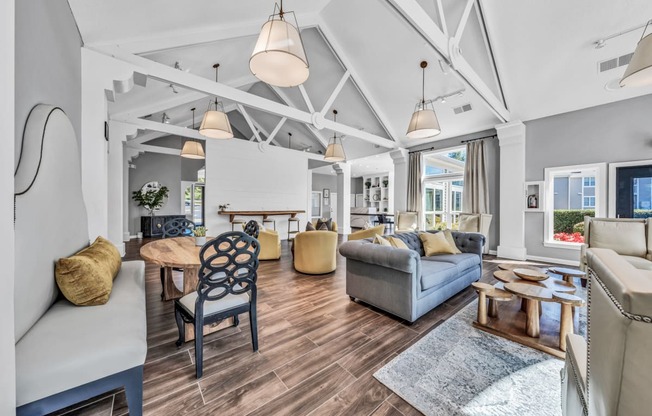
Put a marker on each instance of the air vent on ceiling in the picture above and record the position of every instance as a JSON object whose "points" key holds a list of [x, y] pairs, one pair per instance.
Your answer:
{"points": [[614, 63], [462, 109]]}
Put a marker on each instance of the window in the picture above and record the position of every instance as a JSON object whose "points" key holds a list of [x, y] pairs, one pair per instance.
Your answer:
{"points": [[573, 192], [443, 185]]}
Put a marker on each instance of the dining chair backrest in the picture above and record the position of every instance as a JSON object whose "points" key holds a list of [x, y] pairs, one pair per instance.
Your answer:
{"points": [[252, 228], [229, 265], [178, 227]]}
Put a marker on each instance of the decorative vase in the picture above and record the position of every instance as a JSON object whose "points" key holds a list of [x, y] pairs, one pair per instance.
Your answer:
{"points": [[200, 241]]}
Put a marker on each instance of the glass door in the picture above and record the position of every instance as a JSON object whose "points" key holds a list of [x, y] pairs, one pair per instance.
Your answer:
{"points": [[193, 202], [634, 192]]}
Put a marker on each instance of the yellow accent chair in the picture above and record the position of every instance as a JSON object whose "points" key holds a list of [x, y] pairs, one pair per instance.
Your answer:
{"points": [[368, 233], [315, 252], [270, 244]]}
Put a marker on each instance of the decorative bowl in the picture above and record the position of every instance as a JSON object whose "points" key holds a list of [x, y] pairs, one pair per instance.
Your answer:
{"points": [[530, 274]]}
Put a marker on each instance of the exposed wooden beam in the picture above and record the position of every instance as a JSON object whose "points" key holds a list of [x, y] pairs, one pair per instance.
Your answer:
{"points": [[306, 98], [276, 130], [414, 14], [464, 19], [193, 82], [335, 93], [249, 121], [191, 37]]}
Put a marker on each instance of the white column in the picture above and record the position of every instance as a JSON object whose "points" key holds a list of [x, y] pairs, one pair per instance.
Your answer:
{"points": [[7, 163], [126, 195], [511, 138], [309, 199], [116, 190], [400, 159], [343, 171]]}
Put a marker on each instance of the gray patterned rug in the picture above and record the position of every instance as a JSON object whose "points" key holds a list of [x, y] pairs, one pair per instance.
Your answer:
{"points": [[457, 369]]}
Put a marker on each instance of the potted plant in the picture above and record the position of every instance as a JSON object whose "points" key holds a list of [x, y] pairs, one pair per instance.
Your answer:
{"points": [[368, 184], [200, 235], [385, 183], [223, 207], [151, 200]]}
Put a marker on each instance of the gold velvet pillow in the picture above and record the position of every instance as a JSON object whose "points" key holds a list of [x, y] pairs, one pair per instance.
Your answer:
{"points": [[86, 278], [382, 241], [451, 241], [435, 244], [397, 243]]}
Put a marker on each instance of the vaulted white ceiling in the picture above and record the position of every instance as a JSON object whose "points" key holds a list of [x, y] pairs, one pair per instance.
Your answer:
{"points": [[545, 62]]}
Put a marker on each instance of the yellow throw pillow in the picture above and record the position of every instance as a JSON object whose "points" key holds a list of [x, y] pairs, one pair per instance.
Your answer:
{"points": [[397, 243], [451, 241], [382, 241], [86, 278], [435, 244]]}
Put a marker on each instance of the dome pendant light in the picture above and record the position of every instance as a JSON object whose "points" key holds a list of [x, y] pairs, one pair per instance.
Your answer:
{"points": [[423, 123], [335, 149], [215, 124], [279, 57], [639, 70], [193, 149]]}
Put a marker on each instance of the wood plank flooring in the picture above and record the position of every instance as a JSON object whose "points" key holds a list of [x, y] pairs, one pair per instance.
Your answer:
{"points": [[318, 351]]}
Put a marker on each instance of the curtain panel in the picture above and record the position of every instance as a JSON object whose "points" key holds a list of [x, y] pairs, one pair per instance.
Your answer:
{"points": [[475, 198], [414, 192]]}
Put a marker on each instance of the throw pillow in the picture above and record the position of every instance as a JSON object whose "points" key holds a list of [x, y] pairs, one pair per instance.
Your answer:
{"points": [[382, 241], [310, 227], [325, 224], [397, 243], [86, 278], [435, 244], [451, 241]]}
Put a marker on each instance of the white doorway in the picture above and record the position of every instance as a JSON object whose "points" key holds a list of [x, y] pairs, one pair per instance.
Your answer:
{"points": [[333, 206]]}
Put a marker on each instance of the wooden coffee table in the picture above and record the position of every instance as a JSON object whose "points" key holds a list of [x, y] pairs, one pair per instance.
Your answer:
{"points": [[568, 274], [529, 318]]}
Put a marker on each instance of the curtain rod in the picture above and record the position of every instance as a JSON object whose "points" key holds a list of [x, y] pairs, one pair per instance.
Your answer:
{"points": [[462, 142]]}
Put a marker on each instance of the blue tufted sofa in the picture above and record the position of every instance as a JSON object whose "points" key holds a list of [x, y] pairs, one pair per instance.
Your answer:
{"points": [[404, 282]]}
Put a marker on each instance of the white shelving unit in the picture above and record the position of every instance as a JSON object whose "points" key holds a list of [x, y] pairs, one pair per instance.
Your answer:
{"points": [[533, 196], [380, 195]]}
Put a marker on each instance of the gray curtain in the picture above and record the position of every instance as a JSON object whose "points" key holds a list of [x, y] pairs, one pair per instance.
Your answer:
{"points": [[414, 201], [476, 189]]}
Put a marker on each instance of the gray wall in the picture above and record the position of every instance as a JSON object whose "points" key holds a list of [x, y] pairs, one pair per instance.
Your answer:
{"points": [[493, 172], [321, 181], [48, 61], [357, 185], [169, 170], [617, 132]]}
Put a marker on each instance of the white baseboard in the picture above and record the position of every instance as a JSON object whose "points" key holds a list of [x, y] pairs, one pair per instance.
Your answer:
{"points": [[575, 263], [514, 253], [493, 252]]}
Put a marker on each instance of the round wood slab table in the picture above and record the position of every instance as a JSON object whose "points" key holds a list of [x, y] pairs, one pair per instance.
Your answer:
{"points": [[556, 285], [178, 252]]}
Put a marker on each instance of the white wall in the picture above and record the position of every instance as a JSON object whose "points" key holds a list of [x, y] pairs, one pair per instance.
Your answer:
{"points": [[239, 174], [7, 132]]}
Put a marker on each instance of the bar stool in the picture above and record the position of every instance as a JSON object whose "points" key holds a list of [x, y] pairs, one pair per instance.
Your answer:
{"points": [[291, 232], [238, 221], [269, 221]]}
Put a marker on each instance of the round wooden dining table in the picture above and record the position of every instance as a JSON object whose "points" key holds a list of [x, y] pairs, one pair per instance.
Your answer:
{"points": [[179, 252]]}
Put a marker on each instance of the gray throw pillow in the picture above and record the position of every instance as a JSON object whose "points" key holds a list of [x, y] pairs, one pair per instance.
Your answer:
{"points": [[325, 224], [310, 227]]}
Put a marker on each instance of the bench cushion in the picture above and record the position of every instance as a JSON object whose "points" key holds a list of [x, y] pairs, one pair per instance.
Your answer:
{"points": [[71, 346]]}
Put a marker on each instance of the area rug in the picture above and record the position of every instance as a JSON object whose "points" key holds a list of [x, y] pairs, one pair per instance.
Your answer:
{"points": [[457, 369]]}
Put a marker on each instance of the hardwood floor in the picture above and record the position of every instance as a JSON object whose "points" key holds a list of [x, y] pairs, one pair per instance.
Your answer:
{"points": [[318, 351]]}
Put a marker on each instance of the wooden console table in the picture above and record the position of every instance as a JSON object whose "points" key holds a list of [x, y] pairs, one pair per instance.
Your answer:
{"points": [[264, 214]]}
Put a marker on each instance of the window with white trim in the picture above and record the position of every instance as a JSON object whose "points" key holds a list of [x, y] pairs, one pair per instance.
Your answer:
{"points": [[443, 186], [572, 192]]}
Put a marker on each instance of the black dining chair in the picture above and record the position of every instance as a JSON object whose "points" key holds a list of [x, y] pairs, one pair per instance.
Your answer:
{"points": [[226, 288], [177, 227], [252, 228]]}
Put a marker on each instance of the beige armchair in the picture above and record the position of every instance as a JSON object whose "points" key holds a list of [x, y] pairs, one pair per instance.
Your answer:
{"points": [[406, 221], [620, 333], [476, 223], [315, 252], [629, 237], [270, 245]]}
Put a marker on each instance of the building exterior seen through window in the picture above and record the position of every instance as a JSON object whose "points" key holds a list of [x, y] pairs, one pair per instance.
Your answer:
{"points": [[443, 186]]}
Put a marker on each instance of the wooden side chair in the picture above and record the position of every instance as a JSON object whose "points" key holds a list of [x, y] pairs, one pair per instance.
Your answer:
{"points": [[226, 288], [177, 227]]}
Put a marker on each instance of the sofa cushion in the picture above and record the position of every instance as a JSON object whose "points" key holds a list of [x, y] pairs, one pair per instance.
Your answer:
{"points": [[368, 233], [451, 241], [324, 224], [639, 262], [624, 237], [397, 243], [463, 261], [71, 346], [437, 273], [435, 244], [381, 240], [86, 278], [411, 239]]}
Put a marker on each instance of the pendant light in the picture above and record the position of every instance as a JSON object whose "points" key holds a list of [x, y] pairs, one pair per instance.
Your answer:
{"points": [[279, 57], [639, 70], [193, 149], [335, 150], [423, 123], [216, 123]]}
